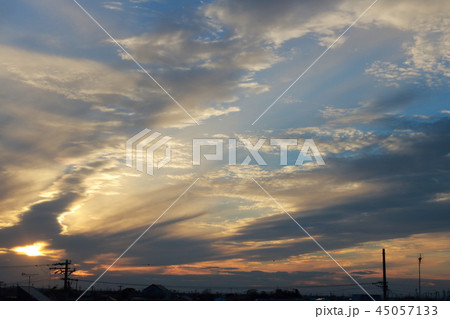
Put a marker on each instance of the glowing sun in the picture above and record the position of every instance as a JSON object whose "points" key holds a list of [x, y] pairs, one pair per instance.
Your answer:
{"points": [[32, 250]]}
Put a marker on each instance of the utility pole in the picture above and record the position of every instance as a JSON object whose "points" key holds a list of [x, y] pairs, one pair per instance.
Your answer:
{"points": [[64, 269], [385, 287], [420, 289], [66, 274]]}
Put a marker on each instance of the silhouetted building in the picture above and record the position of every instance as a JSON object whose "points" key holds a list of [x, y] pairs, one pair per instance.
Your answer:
{"points": [[158, 292]]}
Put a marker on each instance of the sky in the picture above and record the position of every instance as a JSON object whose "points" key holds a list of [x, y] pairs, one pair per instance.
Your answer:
{"points": [[375, 105]]}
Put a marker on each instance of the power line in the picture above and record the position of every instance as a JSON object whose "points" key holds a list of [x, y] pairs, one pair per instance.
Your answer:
{"points": [[109, 283], [23, 266]]}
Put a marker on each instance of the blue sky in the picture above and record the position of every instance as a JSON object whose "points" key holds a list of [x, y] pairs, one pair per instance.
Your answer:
{"points": [[376, 105]]}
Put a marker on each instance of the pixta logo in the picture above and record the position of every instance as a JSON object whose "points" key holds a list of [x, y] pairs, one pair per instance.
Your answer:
{"points": [[308, 147], [143, 145]]}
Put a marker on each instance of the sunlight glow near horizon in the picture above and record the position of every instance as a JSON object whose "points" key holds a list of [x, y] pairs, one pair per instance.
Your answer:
{"points": [[31, 250]]}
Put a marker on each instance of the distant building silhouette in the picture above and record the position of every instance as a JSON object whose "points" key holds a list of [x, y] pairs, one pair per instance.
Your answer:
{"points": [[158, 292]]}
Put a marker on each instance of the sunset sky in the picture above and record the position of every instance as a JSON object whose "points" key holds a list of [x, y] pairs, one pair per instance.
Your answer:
{"points": [[376, 105]]}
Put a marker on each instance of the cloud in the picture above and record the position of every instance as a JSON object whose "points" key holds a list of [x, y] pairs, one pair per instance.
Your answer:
{"points": [[202, 72], [113, 5], [141, 1], [275, 24], [389, 102], [371, 196], [214, 112], [184, 49], [129, 92], [426, 52], [76, 79], [391, 73], [374, 186]]}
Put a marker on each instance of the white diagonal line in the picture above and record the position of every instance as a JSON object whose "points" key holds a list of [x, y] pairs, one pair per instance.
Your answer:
{"points": [[315, 61], [134, 60], [137, 239], [313, 239]]}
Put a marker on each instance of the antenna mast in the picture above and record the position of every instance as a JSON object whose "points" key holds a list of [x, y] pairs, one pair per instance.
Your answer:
{"points": [[420, 261], [385, 286]]}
